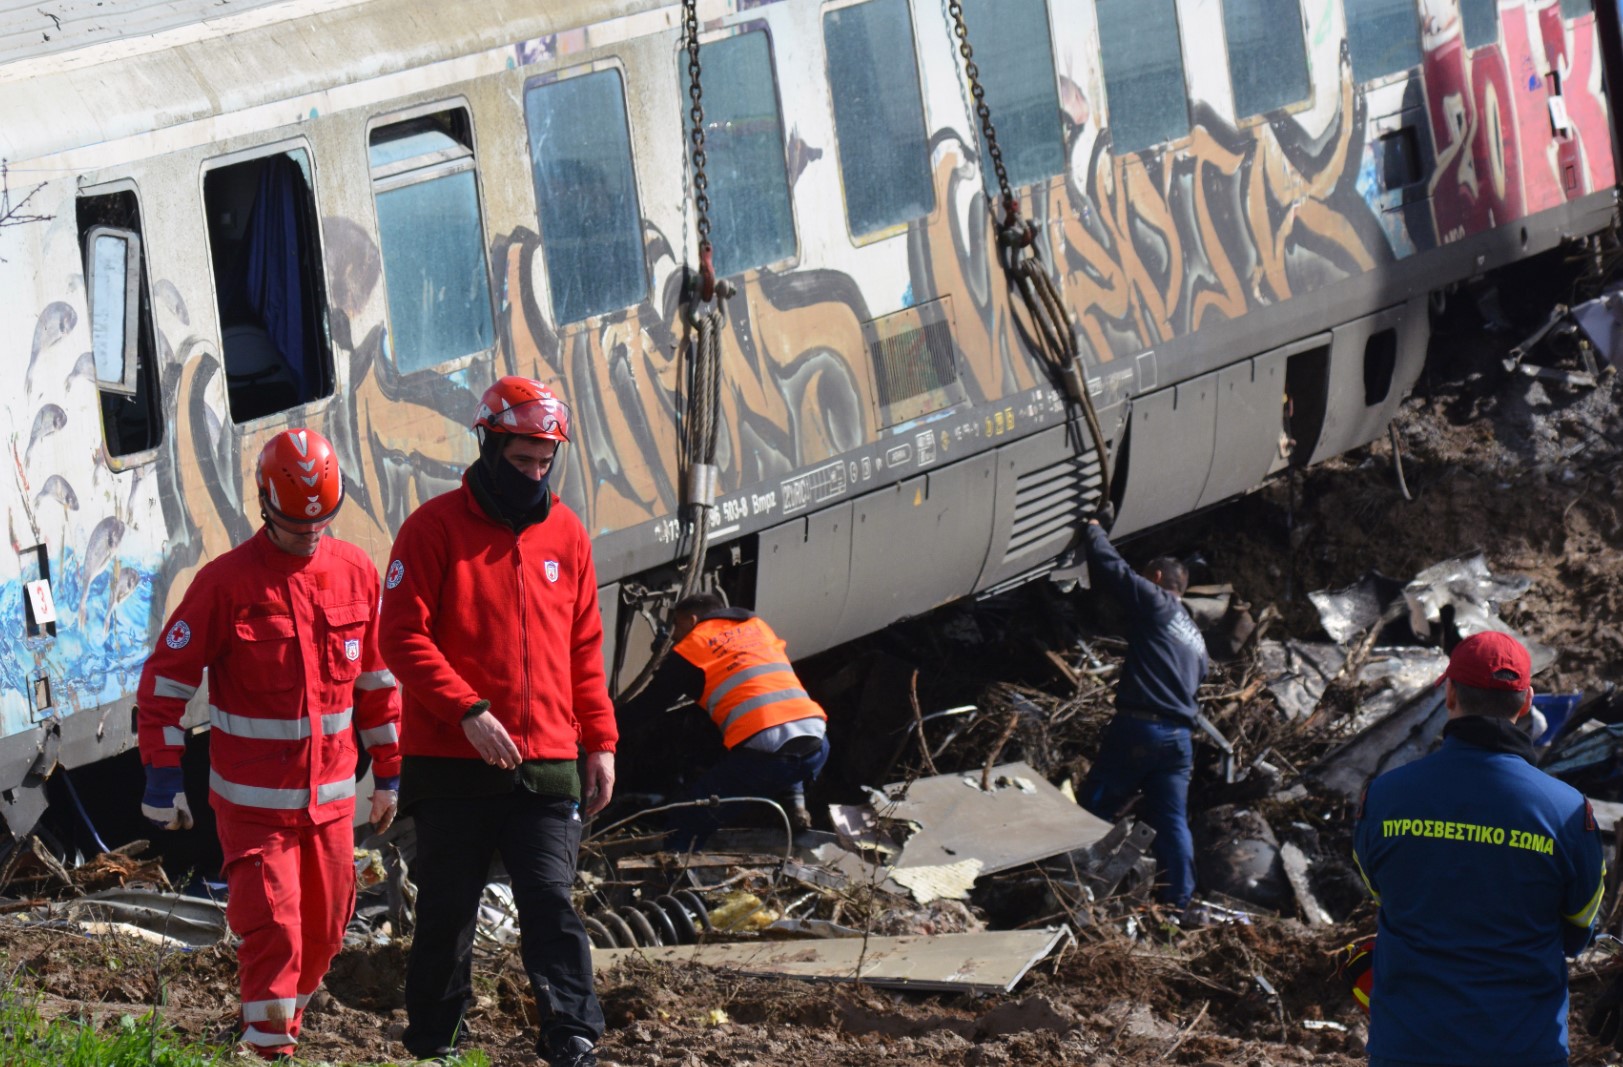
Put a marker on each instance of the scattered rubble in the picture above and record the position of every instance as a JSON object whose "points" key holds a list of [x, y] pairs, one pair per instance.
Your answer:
{"points": [[968, 912]]}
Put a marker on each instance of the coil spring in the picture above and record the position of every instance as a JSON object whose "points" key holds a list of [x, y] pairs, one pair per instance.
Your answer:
{"points": [[678, 918]]}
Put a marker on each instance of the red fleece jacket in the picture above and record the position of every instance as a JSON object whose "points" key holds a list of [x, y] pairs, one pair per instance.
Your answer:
{"points": [[473, 611]]}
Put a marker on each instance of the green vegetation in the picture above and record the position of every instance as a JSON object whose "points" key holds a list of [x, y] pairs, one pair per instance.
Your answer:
{"points": [[28, 1040]]}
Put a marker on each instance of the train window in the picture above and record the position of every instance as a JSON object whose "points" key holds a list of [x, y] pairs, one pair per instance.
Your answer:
{"points": [[1383, 37], [1016, 63], [268, 283], [751, 224], [586, 193], [1144, 85], [873, 76], [1571, 9], [123, 356], [1267, 54], [1481, 20], [427, 197], [113, 279]]}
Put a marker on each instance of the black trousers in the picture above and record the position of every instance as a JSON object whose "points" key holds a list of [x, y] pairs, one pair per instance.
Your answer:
{"points": [[537, 838]]}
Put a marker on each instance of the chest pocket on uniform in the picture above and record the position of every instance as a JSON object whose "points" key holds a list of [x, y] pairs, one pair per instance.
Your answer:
{"points": [[346, 630], [266, 658]]}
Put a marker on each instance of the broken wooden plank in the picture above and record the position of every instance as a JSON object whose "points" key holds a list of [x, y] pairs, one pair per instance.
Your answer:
{"points": [[1296, 863]]}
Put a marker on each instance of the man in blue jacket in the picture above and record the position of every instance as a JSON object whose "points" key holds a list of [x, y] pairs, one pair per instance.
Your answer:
{"points": [[1488, 873], [1147, 746]]}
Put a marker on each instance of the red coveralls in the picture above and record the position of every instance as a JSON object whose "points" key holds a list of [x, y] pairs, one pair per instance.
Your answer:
{"points": [[290, 646]]}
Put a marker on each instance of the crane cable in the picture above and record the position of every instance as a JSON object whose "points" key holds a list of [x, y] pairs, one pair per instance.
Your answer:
{"points": [[702, 429], [1022, 261]]}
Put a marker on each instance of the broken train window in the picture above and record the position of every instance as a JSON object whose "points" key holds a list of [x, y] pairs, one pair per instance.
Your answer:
{"points": [[123, 356], [268, 282]]}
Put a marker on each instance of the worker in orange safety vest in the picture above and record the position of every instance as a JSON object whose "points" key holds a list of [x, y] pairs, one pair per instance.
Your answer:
{"points": [[730, 663], [286, 627]]}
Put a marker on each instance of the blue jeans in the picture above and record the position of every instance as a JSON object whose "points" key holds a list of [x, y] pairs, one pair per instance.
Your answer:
{"points": [[1154, 758], [742, 772]]}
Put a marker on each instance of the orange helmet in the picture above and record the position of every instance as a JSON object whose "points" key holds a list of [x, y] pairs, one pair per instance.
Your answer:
{"points": [[298, 477], [523, 407]]}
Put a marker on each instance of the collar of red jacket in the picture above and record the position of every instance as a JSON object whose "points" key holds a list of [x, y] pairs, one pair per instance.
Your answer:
{"points": [[284, 562]]}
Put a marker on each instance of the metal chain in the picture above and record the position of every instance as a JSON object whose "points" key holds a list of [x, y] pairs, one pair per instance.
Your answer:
{"points": [[1056, 341], [956, 9], [701, 184]]}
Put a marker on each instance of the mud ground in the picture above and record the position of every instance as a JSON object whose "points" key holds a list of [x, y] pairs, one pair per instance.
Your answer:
{"points": [[1528, 472]]}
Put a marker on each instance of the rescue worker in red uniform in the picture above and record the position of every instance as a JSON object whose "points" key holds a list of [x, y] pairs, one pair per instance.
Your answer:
{"points": [[490, 622], [286, 627], [730, 663]]}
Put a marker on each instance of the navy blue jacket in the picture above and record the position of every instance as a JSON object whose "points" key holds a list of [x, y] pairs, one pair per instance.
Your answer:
{"points": [[1488, 872], [1166, 656]]}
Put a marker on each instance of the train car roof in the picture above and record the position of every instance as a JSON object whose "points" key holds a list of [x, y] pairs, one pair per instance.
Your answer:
{"points": [[30, 29], [158, 64]]}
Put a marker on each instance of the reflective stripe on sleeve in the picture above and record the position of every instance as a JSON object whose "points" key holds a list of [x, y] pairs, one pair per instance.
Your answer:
{"points": [[739, 678], [761, 701], [174, 735], [380, 735], [375, 680], [168, 687], [1586, 915], [258, 796], [1376, 897]]}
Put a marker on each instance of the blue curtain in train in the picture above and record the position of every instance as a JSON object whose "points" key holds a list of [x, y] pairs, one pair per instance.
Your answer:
{"points": [[272, 288]]}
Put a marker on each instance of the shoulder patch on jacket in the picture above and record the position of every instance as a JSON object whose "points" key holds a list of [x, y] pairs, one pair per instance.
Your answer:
{"points": [[397, 573], [1589, 816], [180, 635]]}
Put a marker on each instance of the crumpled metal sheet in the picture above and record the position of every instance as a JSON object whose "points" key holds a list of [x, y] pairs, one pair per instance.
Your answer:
{"points": [[1021, 820], [987, 962], [194, 921], [1601, 320], [1298, 672], [1474, 593], [1346, 613], [1402, 737]]}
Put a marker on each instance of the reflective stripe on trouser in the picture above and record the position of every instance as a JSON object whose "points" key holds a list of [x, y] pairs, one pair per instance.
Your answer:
{"points": [[292, 889]]}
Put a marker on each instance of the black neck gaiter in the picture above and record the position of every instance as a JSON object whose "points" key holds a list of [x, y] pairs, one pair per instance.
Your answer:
{"points": [[506, 493]]}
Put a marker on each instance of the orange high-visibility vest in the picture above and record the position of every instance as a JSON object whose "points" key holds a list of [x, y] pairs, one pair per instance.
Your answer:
{"points": [[749, 685]]}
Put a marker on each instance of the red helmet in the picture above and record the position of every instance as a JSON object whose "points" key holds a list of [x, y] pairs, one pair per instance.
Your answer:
{"points": [[298, 477], [525, 408]]}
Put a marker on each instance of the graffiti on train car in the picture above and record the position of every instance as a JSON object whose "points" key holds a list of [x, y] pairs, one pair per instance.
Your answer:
{"points": [[1148, 247], [1155, 247]]}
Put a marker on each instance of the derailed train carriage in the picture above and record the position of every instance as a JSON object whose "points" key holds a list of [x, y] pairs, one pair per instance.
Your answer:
{"points": [[355, 214]]}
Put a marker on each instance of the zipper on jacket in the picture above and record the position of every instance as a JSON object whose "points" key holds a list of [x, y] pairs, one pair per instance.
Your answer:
{"points": [[524, 639]]}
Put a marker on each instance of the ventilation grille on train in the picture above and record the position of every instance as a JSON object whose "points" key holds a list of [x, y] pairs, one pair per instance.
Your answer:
{"points": [[1051, 500], [915, 365]]}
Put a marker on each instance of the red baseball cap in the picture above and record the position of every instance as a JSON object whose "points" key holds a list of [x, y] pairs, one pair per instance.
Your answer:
{"points": [[1490, 660]]}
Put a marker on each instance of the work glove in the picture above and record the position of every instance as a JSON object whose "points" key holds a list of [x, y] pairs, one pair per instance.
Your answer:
{"points": [[1355, 965], [164, 802], [1604, 1020], [385, 802]]}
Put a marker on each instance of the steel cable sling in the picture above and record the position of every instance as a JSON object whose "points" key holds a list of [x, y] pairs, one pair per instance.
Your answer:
{"points": [[702, 428], [1022, 261]]}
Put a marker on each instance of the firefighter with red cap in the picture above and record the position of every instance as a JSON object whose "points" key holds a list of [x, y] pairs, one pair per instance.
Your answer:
{"points": [[1488, 873], [490, 621], [285, 624]]}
